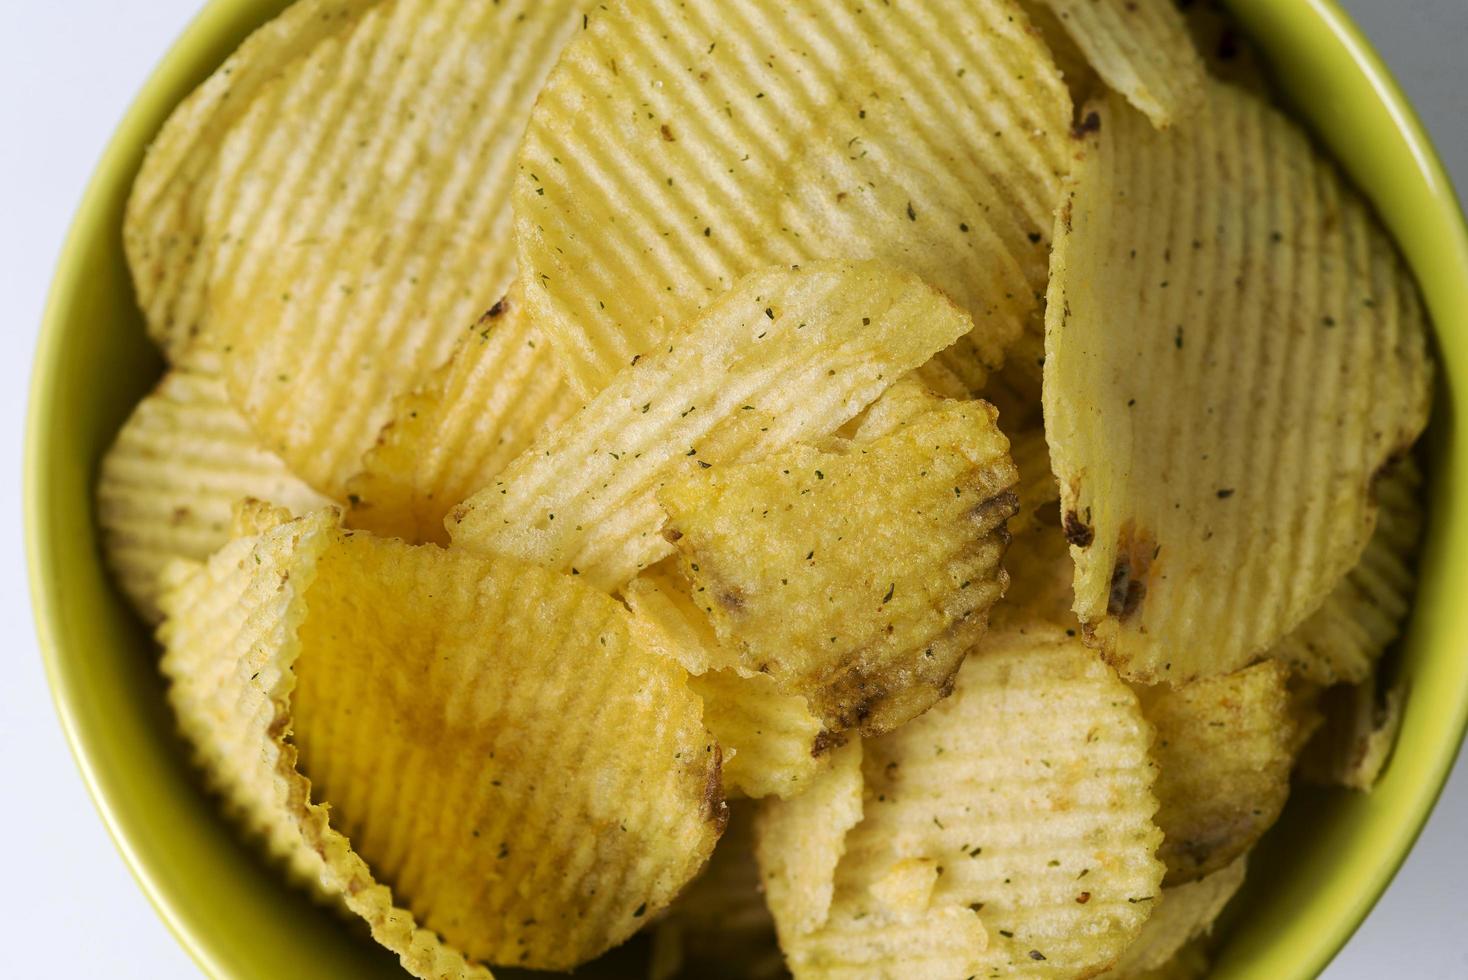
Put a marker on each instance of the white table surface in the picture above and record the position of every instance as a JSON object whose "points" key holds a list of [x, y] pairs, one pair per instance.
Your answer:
{"points": [[68, 905]]}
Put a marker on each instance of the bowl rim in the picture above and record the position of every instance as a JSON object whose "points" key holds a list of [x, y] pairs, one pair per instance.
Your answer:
{"points": [[134, 130]]}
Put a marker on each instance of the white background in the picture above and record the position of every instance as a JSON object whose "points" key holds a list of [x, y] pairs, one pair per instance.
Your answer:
{"points": [[68, 906]]}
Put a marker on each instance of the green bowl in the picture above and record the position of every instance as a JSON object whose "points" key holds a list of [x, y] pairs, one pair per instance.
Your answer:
{"points": [[1323, 866]]}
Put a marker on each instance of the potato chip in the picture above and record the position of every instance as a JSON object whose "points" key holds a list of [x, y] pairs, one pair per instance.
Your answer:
{"points": [[164, 221], [1224, 749], [1304, 707], [1027, 793], [359, 218], [531, 841], [1141, 49], [857, 579], [719, 927], [1080, 78], [1185, 913], [785, 356], [1037, 488], [1189, 963], [178, 464], [679, 146], [500, 392], [1190, 446], [1040, 571], [1363, 614], [1360, 728]]}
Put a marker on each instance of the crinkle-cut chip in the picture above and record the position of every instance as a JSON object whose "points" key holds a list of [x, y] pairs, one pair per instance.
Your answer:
{"points": [[678, 146], [799, 843], [1037, 488], [360, 216], [666, 619], [857, 579], [1360, 728], [500, 392], [1080, 78], [1185, 913], [164, 221], [177, 466], [719, 927], [786, 356], [1030, 787], [1040, 571], [1363, 614], [881, 943], [402, 672], [1142, 50], [1224, 748], [1209, 474], [908, 398]]}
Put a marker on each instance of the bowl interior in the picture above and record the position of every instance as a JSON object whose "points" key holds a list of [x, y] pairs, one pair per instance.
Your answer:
{"points": [[1317, 873]]}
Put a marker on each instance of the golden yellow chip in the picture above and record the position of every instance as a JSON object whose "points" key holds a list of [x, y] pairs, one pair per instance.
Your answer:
{"points": [[1185, 913], [1360, 728], [479, 690], [500, 392], [1363, 614], [359, 218], [1191, 445], [1141, 49], [1025, 800], [1040, 572], [786, 356], [679, 146], [858, 579], [177, 466], [164, 221], [1225, 749]]}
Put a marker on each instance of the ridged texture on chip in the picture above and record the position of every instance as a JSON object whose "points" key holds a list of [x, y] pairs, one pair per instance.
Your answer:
{"points": [[1141, 49], [1224, 748], [857, 579], [719, 928], [1219, 451], [1027, 795], [1352, 746], [177, 466], [786, 356], [164, 221], [1186, 912], [500, 392], [359, 219], [1363, 614], [474, 689], [679, 146]]}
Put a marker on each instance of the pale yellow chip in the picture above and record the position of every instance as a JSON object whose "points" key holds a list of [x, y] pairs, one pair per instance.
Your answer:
{"points": [[500, 392], [1028, 795], [786, 356], [1353, 745], [1225, 748], [719, 927], [163, 225], [359, 218], [1142, 50], [1186, 913], [1070, 60], [679, 146], [177, 466], [1204, 280], [479, 690], [1363, 614], [857, 579]]}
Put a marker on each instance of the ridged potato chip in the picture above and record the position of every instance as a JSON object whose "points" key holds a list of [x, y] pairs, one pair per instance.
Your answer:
{"points": [[1018, 809], [1359, 730], [786, 356], [164, 222], [359, 217], [500, 392], [1224, 748], [180, 462], [1363, 614], [1263, 308], [857, 579], [1140, 49], [474, 689], [681, 145], [1185, 913]]}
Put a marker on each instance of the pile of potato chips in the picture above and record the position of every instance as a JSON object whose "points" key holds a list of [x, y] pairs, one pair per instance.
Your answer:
{"points": [[973, 438]]}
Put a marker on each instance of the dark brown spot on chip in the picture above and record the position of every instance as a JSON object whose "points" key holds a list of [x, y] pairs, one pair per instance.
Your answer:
{"points": [[1077, 531]]}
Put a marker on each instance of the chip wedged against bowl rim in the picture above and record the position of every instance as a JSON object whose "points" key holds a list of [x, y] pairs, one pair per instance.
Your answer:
{"points": [[1321, 869]]}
